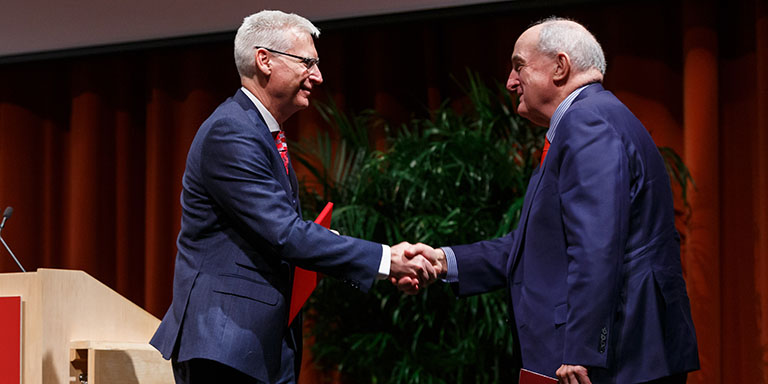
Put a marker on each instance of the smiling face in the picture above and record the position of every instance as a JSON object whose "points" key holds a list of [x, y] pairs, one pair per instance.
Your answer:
{"points": [[532, 79], [291, 82]]}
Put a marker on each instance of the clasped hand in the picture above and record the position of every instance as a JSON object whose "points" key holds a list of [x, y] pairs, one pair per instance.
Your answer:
{"points": [[416, 266]]}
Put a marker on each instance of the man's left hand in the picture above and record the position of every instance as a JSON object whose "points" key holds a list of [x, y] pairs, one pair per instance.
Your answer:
{"points": [[572, 374]]}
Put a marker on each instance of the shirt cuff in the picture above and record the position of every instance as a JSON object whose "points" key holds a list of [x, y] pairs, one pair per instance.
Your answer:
{"points": [[453, 270], [386, 260]]}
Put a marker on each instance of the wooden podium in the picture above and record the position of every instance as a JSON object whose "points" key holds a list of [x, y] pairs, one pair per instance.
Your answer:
{"points": [[75, 328]]}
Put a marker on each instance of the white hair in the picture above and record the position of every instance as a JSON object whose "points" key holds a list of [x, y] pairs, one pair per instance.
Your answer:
{"points": [[267, 29], [563, 35]]}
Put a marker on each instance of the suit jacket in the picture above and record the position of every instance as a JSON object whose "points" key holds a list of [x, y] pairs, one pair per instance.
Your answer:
{"points": [[593, 268], [241, 235]]}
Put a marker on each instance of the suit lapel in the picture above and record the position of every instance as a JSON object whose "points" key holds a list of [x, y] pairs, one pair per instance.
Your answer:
{"points": [[288, 181], [533, 187], [295, 187], [292, 177]]}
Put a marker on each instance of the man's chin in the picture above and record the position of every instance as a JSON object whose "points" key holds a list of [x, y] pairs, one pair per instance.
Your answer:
{"points": [[523, 111], [301, 96], [532, 117], [302, 103]]}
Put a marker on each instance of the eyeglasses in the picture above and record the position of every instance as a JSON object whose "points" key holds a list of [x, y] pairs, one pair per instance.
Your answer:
{"points": [[308, 62]]}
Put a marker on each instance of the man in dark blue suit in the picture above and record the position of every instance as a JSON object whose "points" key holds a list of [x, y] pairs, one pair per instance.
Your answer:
{"points": [[593, 269], [242, 232]]}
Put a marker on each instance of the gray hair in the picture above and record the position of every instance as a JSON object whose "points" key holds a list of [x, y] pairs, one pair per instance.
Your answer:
{"points": [[563, 35], [267, 29]]}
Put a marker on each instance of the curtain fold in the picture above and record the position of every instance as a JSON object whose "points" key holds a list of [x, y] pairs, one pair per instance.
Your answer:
{"points": [[701, 263], [760, 159]]}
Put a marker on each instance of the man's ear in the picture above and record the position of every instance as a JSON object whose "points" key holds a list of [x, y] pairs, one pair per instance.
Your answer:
{"points": [[562, 67], [263, 64]]}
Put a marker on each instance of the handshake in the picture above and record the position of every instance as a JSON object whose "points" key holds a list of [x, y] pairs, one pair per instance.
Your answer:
{"points": [[416, 266]]}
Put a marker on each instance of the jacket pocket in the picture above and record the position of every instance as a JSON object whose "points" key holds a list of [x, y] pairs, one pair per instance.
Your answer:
{"points": [[561, 313], [244, 287]]}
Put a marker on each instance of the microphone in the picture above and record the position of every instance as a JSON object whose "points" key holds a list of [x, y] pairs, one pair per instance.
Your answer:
{"points": [[7, 215]]}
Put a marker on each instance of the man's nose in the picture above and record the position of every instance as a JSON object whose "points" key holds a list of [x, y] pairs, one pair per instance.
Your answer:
{"points": [[513, 81], [315, 75]]}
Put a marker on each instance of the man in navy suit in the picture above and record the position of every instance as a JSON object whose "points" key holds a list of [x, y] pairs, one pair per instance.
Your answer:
{"points": [[241, 230], [593, 268]]}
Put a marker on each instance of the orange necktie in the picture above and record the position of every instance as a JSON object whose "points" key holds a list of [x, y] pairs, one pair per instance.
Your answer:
{"points": [[544, 151]]}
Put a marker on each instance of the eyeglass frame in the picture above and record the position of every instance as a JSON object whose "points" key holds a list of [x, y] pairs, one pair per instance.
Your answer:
{"points": [[309, 62]]}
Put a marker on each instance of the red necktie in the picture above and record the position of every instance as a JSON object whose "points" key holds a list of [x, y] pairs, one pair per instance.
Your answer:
{"points": [[282, 148], [304, 282], [544, 151]]}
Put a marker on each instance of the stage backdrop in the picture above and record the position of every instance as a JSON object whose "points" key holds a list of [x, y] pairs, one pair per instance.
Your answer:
{"points": [[92, 147]]}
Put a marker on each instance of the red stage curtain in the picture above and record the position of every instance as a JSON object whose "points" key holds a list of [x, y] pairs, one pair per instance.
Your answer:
{"points": [[92, 148]]}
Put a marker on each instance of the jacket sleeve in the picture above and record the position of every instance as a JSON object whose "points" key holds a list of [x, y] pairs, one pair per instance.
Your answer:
{"points": [[482, 266], [594, 191], [239, 173]]}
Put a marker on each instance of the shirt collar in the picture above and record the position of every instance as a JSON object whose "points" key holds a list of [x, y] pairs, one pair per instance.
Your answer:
{"points": [[560, 111], [268, 118]]}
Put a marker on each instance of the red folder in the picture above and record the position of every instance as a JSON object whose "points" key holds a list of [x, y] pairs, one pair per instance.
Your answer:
{"points": [[304, 282], [530, 377], [10, 339]]}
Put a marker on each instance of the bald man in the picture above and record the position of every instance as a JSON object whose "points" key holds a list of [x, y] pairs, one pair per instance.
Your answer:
{"points": [[593, 268]]}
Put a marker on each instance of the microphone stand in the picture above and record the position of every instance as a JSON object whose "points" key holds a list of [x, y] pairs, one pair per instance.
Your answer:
{"points": [[12, 255]]}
